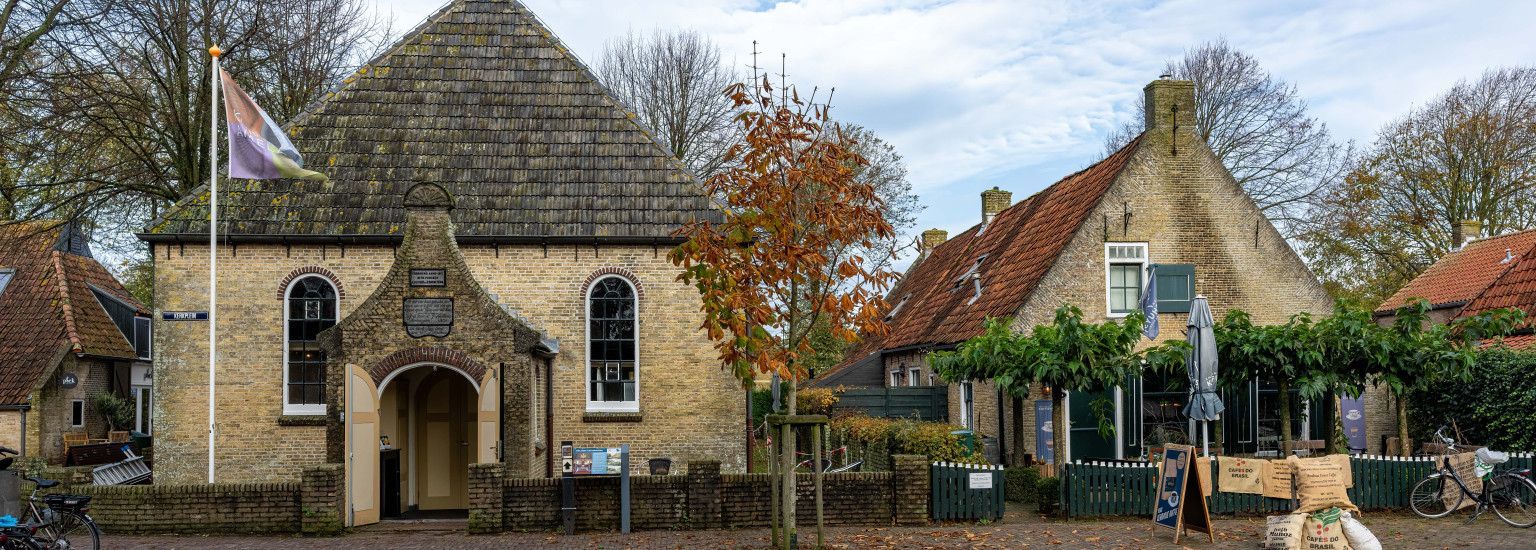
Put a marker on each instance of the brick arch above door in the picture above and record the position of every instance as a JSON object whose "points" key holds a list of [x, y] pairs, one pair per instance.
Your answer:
{"points": [[428, 354]]}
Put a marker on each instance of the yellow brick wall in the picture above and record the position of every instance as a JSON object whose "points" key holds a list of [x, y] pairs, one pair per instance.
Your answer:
{"points": [[10, 429], [691, 409]]}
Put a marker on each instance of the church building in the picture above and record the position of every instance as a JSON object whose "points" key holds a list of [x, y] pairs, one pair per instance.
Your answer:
{"points": [[484, 276]]}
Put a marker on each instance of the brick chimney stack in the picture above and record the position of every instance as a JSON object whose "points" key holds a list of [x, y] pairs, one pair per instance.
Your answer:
{"points": [[1467, 231], [931, 239], [994, 200]]}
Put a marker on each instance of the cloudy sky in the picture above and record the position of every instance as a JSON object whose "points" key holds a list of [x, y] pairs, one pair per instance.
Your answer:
{"points": [[1017, 94]]}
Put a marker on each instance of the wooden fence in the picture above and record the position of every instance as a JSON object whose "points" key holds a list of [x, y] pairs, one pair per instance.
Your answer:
{"points": [[929, 403], [1095, 488], [967, 491]]}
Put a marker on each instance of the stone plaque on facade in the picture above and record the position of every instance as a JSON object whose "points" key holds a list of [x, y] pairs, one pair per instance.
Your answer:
{"points": [[427, 316], [429, 277]]}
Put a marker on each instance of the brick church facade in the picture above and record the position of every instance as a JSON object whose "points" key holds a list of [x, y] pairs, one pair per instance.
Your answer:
{"points": [[484, 276]]}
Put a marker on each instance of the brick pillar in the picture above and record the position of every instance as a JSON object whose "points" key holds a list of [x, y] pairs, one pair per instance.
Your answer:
{"points": [[911, 491], [704, 494], [487, 484], [321, 502]]}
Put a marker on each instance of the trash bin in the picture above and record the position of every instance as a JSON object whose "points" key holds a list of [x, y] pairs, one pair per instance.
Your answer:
{"points": [[967, 440], [10, 493]]}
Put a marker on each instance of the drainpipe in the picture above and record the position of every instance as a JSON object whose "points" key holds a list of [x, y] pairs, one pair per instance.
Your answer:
{"points": [[501, 400], [549, 417]]}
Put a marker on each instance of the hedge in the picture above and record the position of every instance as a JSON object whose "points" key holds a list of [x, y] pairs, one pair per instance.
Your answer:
{"points": [[1497, 408], [875, 440]]}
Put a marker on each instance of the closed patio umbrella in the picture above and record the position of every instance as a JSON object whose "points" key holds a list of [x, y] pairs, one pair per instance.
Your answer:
{"points": [[1204, 400]]}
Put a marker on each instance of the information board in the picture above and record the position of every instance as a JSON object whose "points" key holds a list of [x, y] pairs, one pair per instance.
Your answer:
{"points": [[1181, 502]]}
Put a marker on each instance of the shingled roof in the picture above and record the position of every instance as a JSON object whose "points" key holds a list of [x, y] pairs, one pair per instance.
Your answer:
{"points": [[937, 307], [49, 308], [1459, 277], [1514, 288], [484, 100]]}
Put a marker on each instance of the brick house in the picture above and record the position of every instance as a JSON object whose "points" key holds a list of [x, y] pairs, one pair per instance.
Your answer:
{"points": [[1488, 273], [1165, 200], [484, 276], [68, 331]]}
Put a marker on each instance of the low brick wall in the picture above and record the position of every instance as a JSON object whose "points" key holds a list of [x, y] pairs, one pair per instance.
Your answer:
{"points": [[311, 506], [702, 499]]}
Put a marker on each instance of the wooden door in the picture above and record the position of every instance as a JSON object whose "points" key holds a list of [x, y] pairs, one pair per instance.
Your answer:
{"points": [[443, 446], [488, 425], [362, 447]]}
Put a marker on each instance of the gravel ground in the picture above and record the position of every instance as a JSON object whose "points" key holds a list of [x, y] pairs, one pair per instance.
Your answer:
{"points": [[1018, 530]]}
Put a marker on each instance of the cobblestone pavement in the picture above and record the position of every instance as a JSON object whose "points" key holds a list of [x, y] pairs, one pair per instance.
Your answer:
{"points": [[1018, 530]]}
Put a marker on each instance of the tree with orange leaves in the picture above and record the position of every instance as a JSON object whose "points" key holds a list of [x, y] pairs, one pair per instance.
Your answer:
{"points": [[780, 262]]}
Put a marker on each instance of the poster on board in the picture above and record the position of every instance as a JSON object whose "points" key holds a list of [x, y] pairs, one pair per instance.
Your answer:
{"points": [[1181, 504]]}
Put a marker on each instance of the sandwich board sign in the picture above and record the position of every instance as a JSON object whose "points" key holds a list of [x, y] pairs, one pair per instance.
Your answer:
{"points": [[1181, 502]]}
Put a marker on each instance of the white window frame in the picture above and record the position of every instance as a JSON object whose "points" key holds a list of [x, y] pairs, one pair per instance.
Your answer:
{"points": [[300, 409], [586, 364], [143, 400], [967, 398], [149, 327], [1109, 310], [894, 380], [76, 404], [913, 375]]}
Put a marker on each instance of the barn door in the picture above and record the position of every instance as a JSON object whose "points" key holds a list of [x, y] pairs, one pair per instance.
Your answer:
{"points": [[489, 425], [362, 447]]}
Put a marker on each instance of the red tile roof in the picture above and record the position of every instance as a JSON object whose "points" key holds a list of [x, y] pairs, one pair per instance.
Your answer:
{"points": [[1521, 342], [1459, 277], [936, 308], [1515, 287], [48, 308]]}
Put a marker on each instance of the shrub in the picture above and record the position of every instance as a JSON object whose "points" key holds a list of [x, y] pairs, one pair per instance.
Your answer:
{"points": [[1021, 485], [1497, 409], [815, 400], [116, 411], [1048, 492], [904, 436]]}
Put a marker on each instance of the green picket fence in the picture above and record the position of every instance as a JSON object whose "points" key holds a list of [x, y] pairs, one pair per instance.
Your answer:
{"points": [[1102, 488], [966, 491]]}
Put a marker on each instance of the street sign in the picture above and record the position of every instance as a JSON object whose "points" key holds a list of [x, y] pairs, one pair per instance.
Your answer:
{"points": [[183, 316]]}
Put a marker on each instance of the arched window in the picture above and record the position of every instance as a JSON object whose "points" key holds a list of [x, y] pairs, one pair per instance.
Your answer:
{"points": [[612, 369], [311, 308]]}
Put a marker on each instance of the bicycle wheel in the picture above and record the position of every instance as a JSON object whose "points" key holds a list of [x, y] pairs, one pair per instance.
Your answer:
{"points": [[1514, 500], [1427, 497], [71, 530]]}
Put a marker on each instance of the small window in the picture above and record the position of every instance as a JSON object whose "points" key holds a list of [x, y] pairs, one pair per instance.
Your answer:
{"points": [[1124, 277], [77, 413], [1175, 287], [143, 409], [895, 379], [966, 405], [914, 376], [141, 337], [5, 278]]}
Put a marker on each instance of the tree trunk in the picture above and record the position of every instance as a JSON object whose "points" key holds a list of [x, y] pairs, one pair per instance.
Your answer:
{"points": [[1338, 443], [1405, 449], [1285, 417], [1018, 433], [1058, 429], [787, 466]]}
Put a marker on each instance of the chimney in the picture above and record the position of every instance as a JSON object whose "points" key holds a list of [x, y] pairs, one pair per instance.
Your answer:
{"points": [[994, 200], [932, 238], [1467, 231], [1170, 105]]}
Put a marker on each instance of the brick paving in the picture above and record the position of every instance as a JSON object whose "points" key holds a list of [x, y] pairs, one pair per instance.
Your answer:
{"points": [[1017, 530]]}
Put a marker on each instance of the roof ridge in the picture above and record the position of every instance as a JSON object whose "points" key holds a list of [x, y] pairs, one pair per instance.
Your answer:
{"points": [[1496, 237], [65, 304]]}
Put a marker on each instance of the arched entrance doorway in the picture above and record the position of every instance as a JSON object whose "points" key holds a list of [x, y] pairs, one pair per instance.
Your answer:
{"points": [[412, 437]]}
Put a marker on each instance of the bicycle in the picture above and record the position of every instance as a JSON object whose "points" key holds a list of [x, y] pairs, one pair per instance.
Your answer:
{"points": [[63, 523], [1511, 495]]}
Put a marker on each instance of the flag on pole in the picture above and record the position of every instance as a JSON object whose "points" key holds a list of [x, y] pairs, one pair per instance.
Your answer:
{"points": [[257, 147], [1149, 304]]}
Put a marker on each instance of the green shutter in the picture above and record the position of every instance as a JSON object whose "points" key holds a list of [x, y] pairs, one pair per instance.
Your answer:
{"points": [[1175, 287]]}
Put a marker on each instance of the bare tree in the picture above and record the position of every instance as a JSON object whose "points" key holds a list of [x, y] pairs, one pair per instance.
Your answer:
{"points": [[675, 82], [1259, 127], [1469, 154]]}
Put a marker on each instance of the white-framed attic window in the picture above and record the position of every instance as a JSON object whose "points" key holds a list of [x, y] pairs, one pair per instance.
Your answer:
{"points": [[1125, 270]]}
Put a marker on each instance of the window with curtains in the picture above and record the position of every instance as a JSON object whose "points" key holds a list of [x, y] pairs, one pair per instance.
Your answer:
{"points": [[311, 309], [613, 370]]}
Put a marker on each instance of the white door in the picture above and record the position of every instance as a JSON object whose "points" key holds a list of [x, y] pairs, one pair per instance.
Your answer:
{"points": [[362, 447]]}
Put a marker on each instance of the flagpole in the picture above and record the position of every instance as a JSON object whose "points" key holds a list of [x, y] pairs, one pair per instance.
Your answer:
{"points": [[213, 244]]}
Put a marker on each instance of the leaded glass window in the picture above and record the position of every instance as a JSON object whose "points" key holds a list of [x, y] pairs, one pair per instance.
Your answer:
{"points": [[611, 345]]}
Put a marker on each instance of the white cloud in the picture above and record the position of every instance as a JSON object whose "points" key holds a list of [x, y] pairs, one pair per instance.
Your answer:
{"points": [[976, 93]]}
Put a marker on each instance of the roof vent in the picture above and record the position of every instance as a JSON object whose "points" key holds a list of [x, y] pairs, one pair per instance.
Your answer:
{"points": [[1509, 256]]}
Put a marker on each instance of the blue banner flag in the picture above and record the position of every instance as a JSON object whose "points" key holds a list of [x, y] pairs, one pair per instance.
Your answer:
{"points": [[1149, 304]]}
